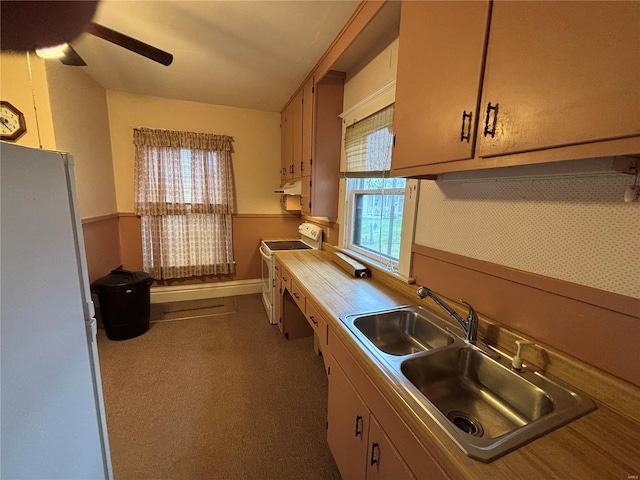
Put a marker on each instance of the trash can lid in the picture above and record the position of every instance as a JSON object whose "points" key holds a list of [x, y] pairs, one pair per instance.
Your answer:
{"points": [[121, 278]]}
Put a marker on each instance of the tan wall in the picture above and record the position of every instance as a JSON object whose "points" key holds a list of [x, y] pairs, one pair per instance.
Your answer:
{"points": [[256, 163], [248, 230], [573, 228], [256, 156], [373, 76], [597, 327], [81, 127], [102, 245], [72, 116], [28, 96]]}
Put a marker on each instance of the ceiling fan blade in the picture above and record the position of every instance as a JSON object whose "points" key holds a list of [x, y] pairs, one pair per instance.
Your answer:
{"points": [[72, 58], [130, 43]]}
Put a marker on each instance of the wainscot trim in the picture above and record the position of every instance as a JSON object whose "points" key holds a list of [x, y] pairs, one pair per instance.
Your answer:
{"points": [[592, 296], [100, 218]]}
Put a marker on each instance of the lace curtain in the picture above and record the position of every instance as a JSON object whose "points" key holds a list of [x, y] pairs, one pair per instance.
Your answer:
{"points": [[184, 194]]}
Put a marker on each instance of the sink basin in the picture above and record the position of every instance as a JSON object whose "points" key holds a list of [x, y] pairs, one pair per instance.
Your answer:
{"points": [[402, 332], [484, 406], [478, 395]]}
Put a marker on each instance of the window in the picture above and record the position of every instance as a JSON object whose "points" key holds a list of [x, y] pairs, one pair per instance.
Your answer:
{"points": [[374, 202], [375, 216], [184, 194]]}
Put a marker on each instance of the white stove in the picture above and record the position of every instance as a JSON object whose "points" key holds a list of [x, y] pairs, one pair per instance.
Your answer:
{"points": [[310, 239]]}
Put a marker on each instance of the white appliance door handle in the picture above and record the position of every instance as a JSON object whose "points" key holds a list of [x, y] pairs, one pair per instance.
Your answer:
{"points": [[264, 254]]}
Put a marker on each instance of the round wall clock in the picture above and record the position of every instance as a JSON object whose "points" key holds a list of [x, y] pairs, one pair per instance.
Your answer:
{"points": [[12, 125]]}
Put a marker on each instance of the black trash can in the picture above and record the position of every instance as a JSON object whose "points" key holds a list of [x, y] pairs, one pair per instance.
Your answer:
{"points": [[124, 299]]}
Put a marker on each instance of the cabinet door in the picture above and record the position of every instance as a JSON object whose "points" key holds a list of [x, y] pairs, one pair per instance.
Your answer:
{"points": [[560, 73], [347, 425], [307, 127], [296, 125], [286, 146], [383, 460], [328, 100], [440, 59], [277, 300], [305, 199]]}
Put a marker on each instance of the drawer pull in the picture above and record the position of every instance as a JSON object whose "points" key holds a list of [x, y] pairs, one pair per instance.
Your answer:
{"points": [[465, 134], [358, 421], [491, 131], [374, 447], [296, 295], [313, 320]]}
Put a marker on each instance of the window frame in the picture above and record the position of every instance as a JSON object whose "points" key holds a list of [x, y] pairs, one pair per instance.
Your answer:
{"points": [[371, 104], [350, 210]]}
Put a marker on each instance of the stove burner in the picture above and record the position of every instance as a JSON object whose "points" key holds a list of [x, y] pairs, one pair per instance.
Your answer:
{"points": [[287, 245]]}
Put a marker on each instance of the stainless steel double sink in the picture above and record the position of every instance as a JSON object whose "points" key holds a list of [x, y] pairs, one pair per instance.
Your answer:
{"points": [[483, 404]]}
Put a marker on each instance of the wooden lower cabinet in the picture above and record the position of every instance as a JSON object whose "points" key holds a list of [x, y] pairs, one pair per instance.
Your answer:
{"points": [[277, 300], [352, 393], [384, 460], [359, 445], [347, 425]]}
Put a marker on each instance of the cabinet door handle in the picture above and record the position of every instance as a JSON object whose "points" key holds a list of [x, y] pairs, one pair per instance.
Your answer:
{"points": [[296, 295], [285, 279], [465, 134], [358, 421], [374, 447], [301, 166], [315, 323], [491, 131]]}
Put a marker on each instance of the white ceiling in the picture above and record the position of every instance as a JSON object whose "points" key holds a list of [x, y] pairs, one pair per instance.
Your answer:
{"points": [[249, 54]]}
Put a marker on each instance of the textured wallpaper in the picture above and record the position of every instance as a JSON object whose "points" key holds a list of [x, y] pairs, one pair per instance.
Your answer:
{"points": [[576, 229]]}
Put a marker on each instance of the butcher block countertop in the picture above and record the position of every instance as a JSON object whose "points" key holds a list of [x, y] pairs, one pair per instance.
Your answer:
{"points": [[603, 444]]}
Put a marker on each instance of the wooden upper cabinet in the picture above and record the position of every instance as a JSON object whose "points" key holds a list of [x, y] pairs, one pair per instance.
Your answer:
{"points": [[286, 148], [327, 142], [296, 126], [313, 115], [307, 127], [291, 139], [440, 58], [560, 73]]}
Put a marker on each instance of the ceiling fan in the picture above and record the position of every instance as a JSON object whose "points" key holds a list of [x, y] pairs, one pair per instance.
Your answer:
{"points": [[29, 25], [71, 57]]}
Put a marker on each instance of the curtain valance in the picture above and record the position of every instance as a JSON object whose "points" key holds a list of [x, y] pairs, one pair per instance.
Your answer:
{"points": [[153, 137]]}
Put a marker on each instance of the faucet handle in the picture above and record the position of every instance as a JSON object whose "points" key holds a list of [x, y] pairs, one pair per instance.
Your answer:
{"points": [[472, 323], [472, 313], [422, 291]]}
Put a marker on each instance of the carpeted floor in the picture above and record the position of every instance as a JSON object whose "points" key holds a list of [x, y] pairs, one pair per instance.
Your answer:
{"points": [[224, 396]]}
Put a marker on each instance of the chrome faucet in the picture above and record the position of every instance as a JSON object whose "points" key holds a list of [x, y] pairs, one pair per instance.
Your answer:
{"points": [[470, 325]]}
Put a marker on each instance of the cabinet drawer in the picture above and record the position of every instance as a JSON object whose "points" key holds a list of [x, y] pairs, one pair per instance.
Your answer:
{"points": [[286, 280], [317, 321], [298, 296]]}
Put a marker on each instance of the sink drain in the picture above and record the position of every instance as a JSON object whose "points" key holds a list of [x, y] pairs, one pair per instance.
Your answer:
{"points": [[466, 423]]}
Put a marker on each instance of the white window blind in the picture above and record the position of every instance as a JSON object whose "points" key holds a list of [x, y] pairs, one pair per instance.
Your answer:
{"points": [[368, 144]]}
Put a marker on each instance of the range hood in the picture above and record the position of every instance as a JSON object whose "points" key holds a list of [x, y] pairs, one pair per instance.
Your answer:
{"points": [[290, 188]]}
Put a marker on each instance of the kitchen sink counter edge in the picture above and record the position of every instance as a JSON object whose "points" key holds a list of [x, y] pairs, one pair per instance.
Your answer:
{"points": [[601, 444]]}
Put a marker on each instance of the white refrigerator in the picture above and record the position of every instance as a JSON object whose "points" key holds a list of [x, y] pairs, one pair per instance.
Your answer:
{"points": [[52, 419]]}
